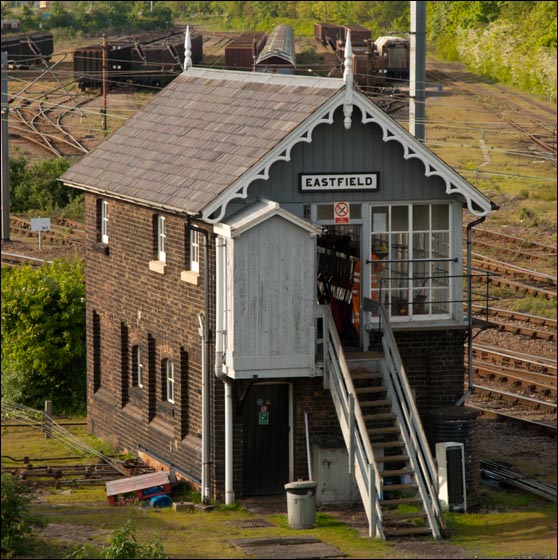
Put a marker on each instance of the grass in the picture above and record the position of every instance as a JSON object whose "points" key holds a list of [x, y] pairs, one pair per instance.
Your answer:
{"points": [[510, 523]]}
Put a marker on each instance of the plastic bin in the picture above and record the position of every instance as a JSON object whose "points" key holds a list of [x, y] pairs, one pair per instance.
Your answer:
{"points": [[301, 504]]}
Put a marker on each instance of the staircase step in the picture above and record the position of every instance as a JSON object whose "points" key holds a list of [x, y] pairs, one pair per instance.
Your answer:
{"points": [[391, 487], [408, 531], [392, 458], [387, 430], [388, 516], [377, 389], [387, 443], [379, 402], [396, 472], [359, 376], [380, 416], [398, 501]]}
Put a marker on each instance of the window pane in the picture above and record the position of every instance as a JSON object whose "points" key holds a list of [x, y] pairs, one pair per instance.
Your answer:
{"points": [[380, 219], [440, 216], [421, 219], [400, 218], [325, 212]]}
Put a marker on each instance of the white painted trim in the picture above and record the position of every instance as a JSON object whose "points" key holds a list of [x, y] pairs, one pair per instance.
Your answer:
{"points": [[412, 148]]}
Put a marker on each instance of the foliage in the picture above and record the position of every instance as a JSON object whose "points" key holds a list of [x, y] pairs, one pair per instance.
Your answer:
{"points": [[123, 543], [36, 186], [17, 521], [510, 42], [43, 334]]}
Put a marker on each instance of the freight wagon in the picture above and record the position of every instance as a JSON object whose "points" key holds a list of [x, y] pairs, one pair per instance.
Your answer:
{"points": [[279, 54], [25, 50], [152, 59], [396, 52], [242, 52]]}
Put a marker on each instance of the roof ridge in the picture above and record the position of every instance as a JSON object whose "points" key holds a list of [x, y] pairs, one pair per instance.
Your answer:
{"points": [[264, 78]]}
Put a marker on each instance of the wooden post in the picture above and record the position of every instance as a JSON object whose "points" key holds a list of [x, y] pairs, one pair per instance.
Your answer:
{"points": [[104, 110], [48, 419]]}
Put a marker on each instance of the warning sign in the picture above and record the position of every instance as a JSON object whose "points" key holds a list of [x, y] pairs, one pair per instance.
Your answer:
{"points": [[342, 212]]}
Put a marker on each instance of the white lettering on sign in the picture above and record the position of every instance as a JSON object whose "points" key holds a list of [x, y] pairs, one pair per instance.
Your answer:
{"points": [[339, 182], [40, 224]]}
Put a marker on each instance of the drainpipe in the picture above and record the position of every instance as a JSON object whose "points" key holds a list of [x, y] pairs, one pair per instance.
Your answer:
{"points": [[206, 341], [470, 227], [220, 288]]}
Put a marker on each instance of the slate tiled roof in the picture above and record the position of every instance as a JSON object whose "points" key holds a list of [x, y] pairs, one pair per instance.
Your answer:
{"points": [[199, 135]]}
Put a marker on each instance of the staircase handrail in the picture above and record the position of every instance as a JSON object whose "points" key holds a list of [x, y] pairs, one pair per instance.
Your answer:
{"points": [[411, 427], [338, 378]]}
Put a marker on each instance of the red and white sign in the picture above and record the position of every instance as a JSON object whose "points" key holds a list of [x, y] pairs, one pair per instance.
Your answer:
{"points": [[342, 213]]}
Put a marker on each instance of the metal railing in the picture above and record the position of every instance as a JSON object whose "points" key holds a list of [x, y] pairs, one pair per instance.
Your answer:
{"points": [[361, 459]]}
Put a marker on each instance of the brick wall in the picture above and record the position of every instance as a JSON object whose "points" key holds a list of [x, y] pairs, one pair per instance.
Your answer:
{"points": [[128, 305]]}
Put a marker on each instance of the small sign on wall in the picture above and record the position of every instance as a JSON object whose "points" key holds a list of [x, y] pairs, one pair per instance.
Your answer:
{"points": [[339, 182], [342, 213]]}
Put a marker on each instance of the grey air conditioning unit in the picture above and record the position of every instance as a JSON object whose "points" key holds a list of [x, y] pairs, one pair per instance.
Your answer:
{"points": [[452, 492]]}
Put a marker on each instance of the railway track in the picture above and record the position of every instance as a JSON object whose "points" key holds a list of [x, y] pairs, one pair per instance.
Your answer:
{"points": [[541, 135], [499, 475]]}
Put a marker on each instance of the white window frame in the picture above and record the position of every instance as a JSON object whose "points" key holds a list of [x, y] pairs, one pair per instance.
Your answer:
{"points": [[139, 367], [195, 251], [169, 372], [161, 238], [104, 222]]}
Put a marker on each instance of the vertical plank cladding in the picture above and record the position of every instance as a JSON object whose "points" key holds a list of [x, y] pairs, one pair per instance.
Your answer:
{"points": [[127, 305], [360, 149], [274, 288]]}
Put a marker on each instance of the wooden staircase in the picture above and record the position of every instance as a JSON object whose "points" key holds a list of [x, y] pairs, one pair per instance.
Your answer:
{"points": [[400, 500]]}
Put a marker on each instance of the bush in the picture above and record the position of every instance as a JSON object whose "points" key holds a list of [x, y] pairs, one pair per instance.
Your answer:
{"points": [[123, 543], [43, 335], [17, 522]]}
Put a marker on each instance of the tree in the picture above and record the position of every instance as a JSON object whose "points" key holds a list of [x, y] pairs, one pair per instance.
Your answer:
{"points": [[36, 186], [43, 335], [17, 522]]}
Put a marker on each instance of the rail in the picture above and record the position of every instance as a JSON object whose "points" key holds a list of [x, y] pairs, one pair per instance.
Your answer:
{"points": [[361, 459], [413, 435]]}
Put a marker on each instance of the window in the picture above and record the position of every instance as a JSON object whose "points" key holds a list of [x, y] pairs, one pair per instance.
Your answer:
{"points": [[102, 221], [168, 371], [137, 366], [161, 239], [411, 267], [194, 251], [96, 320]]}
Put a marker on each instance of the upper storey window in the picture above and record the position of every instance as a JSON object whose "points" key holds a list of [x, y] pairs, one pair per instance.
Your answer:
{"points": [[103, 221], [161, 239], [195, 251]]}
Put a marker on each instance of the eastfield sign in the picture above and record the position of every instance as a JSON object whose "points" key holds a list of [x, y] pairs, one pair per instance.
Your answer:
{"points": [[339, 182]]}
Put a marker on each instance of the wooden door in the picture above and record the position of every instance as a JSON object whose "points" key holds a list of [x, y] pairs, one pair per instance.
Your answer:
{"points": [[265, 417]]}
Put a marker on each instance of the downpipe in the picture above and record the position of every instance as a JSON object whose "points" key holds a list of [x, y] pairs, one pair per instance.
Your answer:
{"points": [[205, 336], [220, 290], [469, 238]]}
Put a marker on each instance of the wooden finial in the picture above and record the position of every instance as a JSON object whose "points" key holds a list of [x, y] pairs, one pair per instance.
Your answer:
{"points": [[348, 79], [187, 49]]}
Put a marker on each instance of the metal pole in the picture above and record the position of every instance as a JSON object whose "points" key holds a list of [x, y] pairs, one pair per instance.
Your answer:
{"points": [[308, 447], [5, 152], [104, 82], [417, 70]]}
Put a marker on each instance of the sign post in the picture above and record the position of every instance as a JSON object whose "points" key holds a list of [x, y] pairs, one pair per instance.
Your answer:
{"points": [[40, 225]]}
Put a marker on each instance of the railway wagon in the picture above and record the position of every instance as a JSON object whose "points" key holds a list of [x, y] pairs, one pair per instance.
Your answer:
{"points": [[396, 51], [27, 49], [243, 51], [328, 33], [369, 69], [360, 36], [150, 59], [279, 54]]}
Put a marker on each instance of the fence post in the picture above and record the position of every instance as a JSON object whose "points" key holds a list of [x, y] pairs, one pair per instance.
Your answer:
{"points": [[48, 419]]}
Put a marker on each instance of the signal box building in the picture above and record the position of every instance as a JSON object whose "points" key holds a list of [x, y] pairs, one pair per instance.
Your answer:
{"points": [[274, 284]]}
